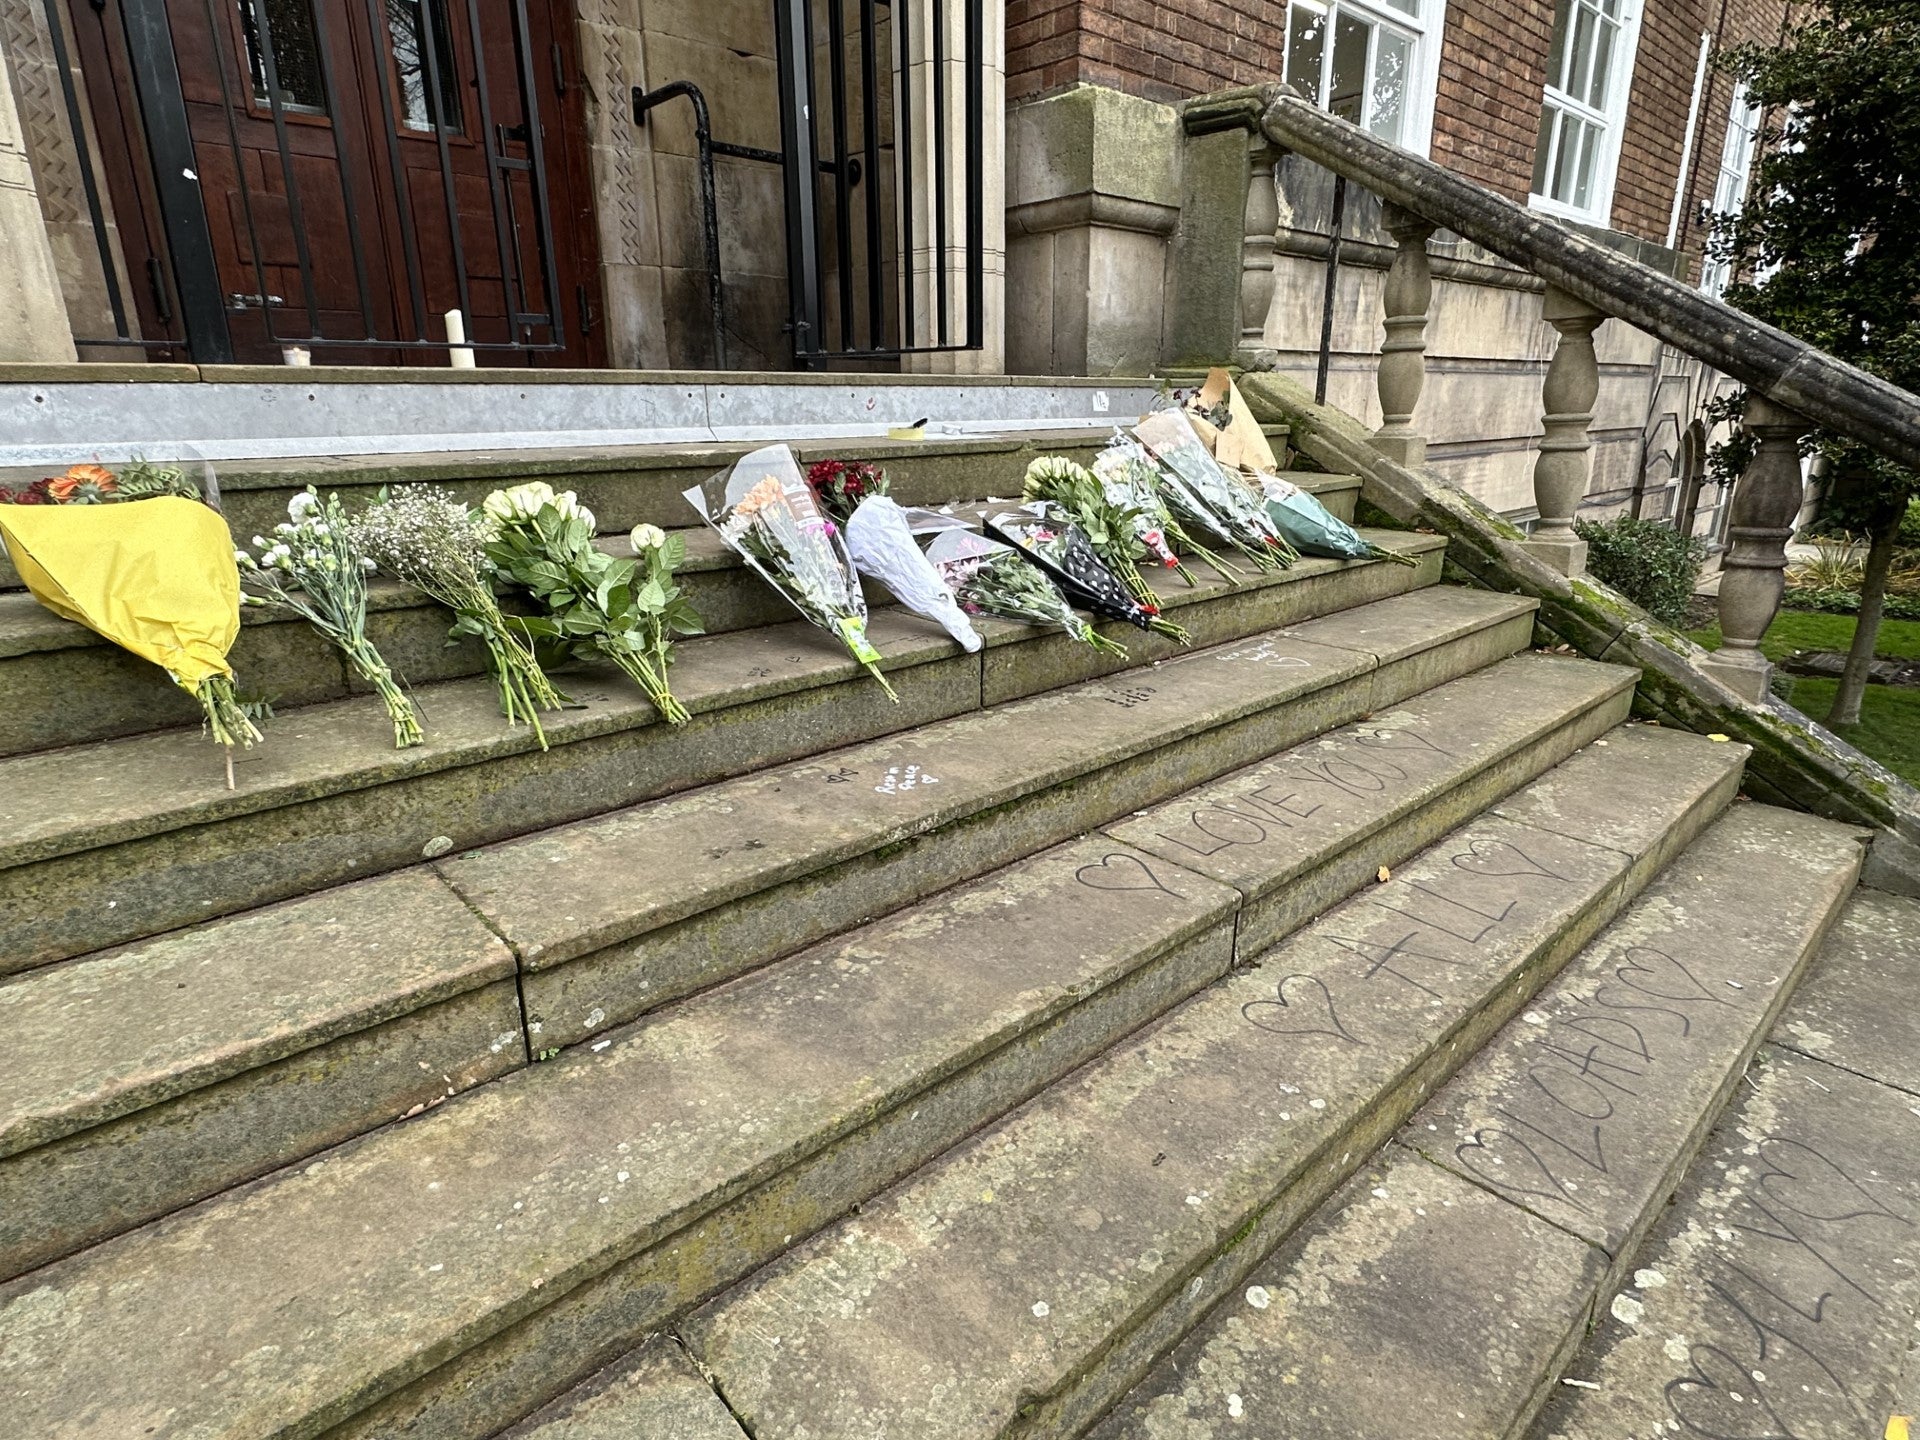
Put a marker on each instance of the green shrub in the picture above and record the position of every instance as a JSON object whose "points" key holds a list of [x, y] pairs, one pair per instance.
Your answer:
{"points": [[1847, 602], [1910, 525], [1649, 562]]}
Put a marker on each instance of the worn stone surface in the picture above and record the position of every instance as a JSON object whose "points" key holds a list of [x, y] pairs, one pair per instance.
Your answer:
{"points": [[1399, 632], [101, 1181], [1413, 1303], [297, 1303], [1036, 1271], [329, 799], [1588, 1108], [1444, 755], [1856, 1008], [1780, 1293], [654, 1395]]}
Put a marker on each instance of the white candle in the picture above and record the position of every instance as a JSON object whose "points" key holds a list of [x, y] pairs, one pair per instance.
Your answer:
{"points": [[460, 357]]}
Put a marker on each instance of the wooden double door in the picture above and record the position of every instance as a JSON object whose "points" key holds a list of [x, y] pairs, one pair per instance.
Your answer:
{"points": [[360, 168]]}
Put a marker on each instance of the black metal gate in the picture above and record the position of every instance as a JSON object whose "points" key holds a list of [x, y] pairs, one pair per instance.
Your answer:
{"points": [[885, 180], [332, 175]]}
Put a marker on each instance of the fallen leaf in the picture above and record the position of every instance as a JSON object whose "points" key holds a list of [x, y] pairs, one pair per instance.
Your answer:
{"points": [[1719, 739], [1385, 874]]}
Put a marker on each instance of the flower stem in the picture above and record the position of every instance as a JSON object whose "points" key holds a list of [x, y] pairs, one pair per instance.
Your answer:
{"points": [[874, 670], [653, 682], [370, 667], [227, 722]]}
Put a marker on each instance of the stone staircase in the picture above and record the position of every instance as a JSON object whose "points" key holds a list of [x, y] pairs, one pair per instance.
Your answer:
{"points": [[1073, 1047]]}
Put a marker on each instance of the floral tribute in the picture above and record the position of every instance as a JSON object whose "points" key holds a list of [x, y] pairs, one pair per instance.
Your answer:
{"points": [[626, 611], [1132, 478], [767, 513], [880, 539], [1312, 529], [424, 538], [312, 568], [1112, 528], [988, 578], [136, 558], [1047, 536], [1207, 497], [840, 485]]}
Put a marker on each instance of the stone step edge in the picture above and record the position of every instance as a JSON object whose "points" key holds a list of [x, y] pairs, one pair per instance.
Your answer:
{"points": [[29, 628], [1407, 1147], [236, 1064], [1192, 1286], [922, 644]]}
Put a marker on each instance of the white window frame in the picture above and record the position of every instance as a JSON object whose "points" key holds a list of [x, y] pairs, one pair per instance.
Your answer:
{"points": [[1610, 119], [1425, 27], [1732, 179]]}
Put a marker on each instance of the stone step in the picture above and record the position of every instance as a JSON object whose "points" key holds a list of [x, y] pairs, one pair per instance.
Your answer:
{"points": [[61, 684], [1458, 1272], [196, 1061], [1025, 1281], [654, 1394], [448, 1275], [1779, 1293], [107, 843]]}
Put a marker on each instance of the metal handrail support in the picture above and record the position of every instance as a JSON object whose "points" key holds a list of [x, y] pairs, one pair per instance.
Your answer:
{"points": [[643, 102]]}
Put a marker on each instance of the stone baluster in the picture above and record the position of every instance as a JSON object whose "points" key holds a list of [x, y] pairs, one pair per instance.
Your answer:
{"points": [[1403, 354], [1261, 220], [1560, 474], [1766, 501]]}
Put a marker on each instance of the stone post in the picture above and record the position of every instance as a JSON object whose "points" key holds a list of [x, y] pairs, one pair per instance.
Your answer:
{"points": [[1261, 221], [1403, 354], [1560, 474], [1766, 501], [33, 314]]}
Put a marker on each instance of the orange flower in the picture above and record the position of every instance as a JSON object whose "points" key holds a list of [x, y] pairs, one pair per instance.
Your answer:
{"points": [[61, 487]]}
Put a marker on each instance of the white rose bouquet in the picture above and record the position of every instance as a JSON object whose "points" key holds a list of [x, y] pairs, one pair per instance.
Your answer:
{"points": [[423, 537], [311, 568], [624, 611]]}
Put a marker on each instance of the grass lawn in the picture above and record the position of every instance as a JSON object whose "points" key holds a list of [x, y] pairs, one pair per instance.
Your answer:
{"points": [[1889, 728]]}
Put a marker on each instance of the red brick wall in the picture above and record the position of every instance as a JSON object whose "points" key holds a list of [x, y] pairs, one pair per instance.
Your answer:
{"points": [[1162, 51], [1493, 67]]}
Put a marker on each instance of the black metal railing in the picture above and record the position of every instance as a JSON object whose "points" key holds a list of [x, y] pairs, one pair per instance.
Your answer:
{"points": [[243, 111], [860, 284]]}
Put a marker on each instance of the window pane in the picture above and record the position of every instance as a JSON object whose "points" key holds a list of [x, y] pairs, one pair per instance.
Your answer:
{"points": [[1596, 95], [1406, 7], [1556, 59], [1306, 45], [1580, 53], [1566, 157], [420, 109], [1349, 83], [1386, 104], [1583, 176], [296, 53], [1543, 148]]}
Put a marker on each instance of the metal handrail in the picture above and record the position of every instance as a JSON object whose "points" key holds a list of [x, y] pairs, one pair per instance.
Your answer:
{"points": [[1826, 391]]}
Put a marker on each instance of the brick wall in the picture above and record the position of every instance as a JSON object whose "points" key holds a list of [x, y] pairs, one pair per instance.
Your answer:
{"points": [[1493, 66], [1161, 51]]}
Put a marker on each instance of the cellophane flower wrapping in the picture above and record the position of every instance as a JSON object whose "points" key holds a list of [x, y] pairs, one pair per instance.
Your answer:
{"points": [[881, 542], [1048, 536], [988, 578], [312, 568], [1127, 470], [423, 537], [1312, 529], [1112, 527], [1194, 482], [766, 512], [624, 611]]}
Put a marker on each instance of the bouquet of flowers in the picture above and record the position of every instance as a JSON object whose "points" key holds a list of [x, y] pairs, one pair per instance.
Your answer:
{"points": [[311, 569], [880, 539], [91, 484], [625, 611], [1046, 535], [1111, 528], [1130, 476], [1207, 497], [840, 485], [989, 578], [767, 513], [1312, 529], [423, 537], [157, 578]]}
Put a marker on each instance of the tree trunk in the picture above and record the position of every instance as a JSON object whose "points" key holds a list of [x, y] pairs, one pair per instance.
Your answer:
{"points": [[1866, 629]]}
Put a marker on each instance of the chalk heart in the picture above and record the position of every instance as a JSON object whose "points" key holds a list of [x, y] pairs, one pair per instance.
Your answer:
{"points": [[1497, 857], [1704, 1404], [1507, 1163], [1120, 872], [1801, 1179], [1654, 972], [1302, 1006]]}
